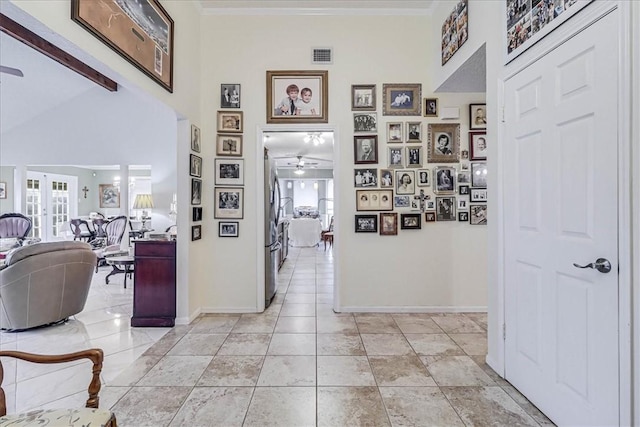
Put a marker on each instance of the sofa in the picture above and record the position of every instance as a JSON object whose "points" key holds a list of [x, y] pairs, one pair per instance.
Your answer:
{"points": [[44, 283]]}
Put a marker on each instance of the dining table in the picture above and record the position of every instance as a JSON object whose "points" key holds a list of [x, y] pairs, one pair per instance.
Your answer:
{"points": [[304, 232]]}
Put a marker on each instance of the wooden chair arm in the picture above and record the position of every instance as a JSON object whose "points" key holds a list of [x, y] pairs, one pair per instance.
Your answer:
{"points": [[95, 355]]}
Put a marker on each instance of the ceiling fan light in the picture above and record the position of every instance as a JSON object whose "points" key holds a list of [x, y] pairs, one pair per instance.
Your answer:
{"points": [[298, 171]]}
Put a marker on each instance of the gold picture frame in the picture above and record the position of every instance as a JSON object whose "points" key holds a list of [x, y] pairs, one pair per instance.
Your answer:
{"points": [[402, 99], [230, 121], [444, 143], [287, 94]]}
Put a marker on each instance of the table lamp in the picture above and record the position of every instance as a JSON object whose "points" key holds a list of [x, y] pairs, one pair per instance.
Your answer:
{"points": [[143, 202]]}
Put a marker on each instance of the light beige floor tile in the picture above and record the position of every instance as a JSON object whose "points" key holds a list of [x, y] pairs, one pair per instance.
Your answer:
{"points": [[376, 324], [528, 407], [344, 371], [433, 344], [479, 318], [302, 289], [416, 324], [245, 345], [215, 324], [282, 407], [149, 406], [232, 371], [336, 324], [386, 344], [456, 371], [255, 324], [176, 371], [419, 406], [198, 345], [457, 324], [288, 371], [298, 309], [324, 299], [326, 310], [214, 406], [162, 346], [296, 325], [300, 298], [472, 344], [481, 362], [350, 406], [400, 371], [340, 345], [132, 374], [292, 345]]}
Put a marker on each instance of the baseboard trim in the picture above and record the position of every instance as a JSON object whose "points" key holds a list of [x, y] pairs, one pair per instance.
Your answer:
{"points": [[187, 320], [227, 310], [416, 309]]}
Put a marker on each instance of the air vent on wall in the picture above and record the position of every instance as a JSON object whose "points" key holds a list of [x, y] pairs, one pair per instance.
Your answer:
{"points": [[322, 55]]}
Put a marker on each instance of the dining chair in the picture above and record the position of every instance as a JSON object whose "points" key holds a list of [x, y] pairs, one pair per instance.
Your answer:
{"points": [[81, 231]]}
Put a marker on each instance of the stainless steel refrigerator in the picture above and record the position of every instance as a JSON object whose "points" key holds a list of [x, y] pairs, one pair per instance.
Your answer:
{"points": [[271, 219]]}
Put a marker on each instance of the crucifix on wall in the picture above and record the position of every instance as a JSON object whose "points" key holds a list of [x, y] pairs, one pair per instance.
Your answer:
{"points": [[85, 190], [423, 198]]}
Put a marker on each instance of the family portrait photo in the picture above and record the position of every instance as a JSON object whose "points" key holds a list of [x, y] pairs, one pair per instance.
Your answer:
{"points": [[423, 178], [478, 214], [366, 178], [196, 232], [228, 229], [363, 97], [297, 96], [228, 203], [386, 178], [365, 122], [410, 221], [3, 190], [366, 223], [229, 121], [229, 171], [365, 149], [229, 145], [414, 132], [196, 214], [374, 200], [479, 175], [394, 132], [395, 157], [454, 31], [414, 157], [389, 224], [402, 99], [230, 95]]}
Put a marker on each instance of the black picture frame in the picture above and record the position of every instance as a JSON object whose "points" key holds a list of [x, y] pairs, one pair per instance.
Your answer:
{"points": [[228, 229], [196, 232], [362, 155], [196, 214], [463, 216], [410, 221], [230, 95], [478, 214], [195, 166], [366, 223], [446, 208], [431, 107], [196, 191]]}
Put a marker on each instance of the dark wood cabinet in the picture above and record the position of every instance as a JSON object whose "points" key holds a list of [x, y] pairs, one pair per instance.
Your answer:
{"points": [[154, 292]]}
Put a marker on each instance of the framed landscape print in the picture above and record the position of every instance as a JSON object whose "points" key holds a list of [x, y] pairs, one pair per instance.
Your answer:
{"points": [[477, 116], [298, 96], [229, 172], [230, 121], [402, 99], [109, 196], [229, 203], [195, 165], [228, 228], [410, 221], [478, 145], [363, 97], [365, 149], [455, 30], [195, 138], [230, 95], [374, 200], [366, 223], [431, 107], [388, 224], [140, 31], [229, 145], [444, 142]]}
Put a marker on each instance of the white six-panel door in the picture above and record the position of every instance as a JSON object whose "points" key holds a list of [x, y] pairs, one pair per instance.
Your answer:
{"points": [[561, 208]]}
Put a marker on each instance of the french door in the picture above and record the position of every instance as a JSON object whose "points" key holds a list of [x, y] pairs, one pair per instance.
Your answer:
{"points": [[52, 200]]}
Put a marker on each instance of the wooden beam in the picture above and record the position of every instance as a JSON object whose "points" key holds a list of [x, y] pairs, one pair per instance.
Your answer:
{"points": [[31, 39]]}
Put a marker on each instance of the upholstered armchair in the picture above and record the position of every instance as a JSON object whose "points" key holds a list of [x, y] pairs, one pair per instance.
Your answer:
{"points": [[110, 244], [14, 225], [88, 416]]}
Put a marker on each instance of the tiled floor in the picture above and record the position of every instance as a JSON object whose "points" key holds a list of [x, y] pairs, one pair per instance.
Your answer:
{"points": [[300, 364]]}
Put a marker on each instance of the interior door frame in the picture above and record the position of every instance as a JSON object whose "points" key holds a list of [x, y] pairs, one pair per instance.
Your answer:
{"points": [[626, 213], [259, 168], [46, 178]]}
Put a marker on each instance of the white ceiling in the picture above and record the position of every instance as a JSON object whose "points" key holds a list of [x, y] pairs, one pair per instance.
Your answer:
{"points": [[362, 7], [284, 147]]}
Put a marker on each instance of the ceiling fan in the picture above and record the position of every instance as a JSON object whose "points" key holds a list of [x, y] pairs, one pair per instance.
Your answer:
{"points": [[11, 71]]}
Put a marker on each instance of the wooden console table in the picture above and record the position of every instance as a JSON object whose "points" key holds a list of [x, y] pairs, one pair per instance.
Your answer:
{"points": [[154, 293]]}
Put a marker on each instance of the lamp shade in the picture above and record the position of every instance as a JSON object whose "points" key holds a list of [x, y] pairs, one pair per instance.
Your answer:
{"points": [[143, 201]]}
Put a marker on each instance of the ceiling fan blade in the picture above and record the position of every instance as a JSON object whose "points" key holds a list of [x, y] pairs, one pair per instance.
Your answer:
{"points": [[12, 71]]}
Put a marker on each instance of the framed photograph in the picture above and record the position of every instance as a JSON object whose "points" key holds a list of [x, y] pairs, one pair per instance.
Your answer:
{"points": [[394, 132], [478, 195], [229, 145], [405, 182], [141, 31], [196, 214], [463, 204], [230, 121], [479, 175], [463, 190], [195, 165], [195, 138], [430, 216], [444, 142], [365, 178], [229, 95], [3, 190], [196, 191], [463, 216], [196, 232], [414, 157], [366, 223], [431, 205], [401, 202], [395, 157], [424, 179], [229, 203], [477, 116], [414, 132], [478, 214], [365, 122], [388, 224], [445, 180], [478, 145], [386, 178], [365, 149], [229, 172], [431, 107], [109, 196], [228, 228], [464, 166], [464, 177], [464, 154], [410, 221], [363, 98], [446, 208], [298, 96], [454, 31], [374, 200], [402, 99]]}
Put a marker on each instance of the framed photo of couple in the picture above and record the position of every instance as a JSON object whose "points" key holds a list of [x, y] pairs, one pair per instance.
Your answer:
{"points": [[402, 99], [298, 96]]}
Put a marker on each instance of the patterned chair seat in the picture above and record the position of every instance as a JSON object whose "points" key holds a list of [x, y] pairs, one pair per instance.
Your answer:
{"points": [[81, 417]]}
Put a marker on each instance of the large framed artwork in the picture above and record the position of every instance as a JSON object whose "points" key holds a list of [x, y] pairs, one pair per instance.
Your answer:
{"points": [[141, 31], [528, 21], [455, 30], [298, 96], [109, 196]]}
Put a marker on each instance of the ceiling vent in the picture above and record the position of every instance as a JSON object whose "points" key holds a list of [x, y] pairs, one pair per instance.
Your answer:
{"points": [[322, 55]]}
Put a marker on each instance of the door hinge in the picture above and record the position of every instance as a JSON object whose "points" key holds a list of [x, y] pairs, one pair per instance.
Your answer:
{"points": [[504, 331]]}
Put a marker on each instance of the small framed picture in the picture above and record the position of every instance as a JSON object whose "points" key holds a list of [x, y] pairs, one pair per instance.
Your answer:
{"points": [[388, 223], [479, 175], [405, 182], [374, 200], [195, 138], [386, 178], [229, 95], [395, 157], [464, 177], [464, 155], [423, 178], [365, 122], [229, 172], [430, 217], [431, 205], [410, 221], [463, 190], [446, 208], [401, 202], [109, 195], [402, 99], [3, 190], [394, 132], [363, 98], [478, 195], [228, 228], [229, 145], [366, 223], [414, 157], [445, 180], [478, 214], [477, 116], [478, 145], [229, 203], [463, 216], [464, 166], [195, 165], [365, 149], [431, 107], [196, 232], [365, 178], [196, 191], [230, 121], [414, 132], [196, 214], [444, 142], [463, 204]]}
